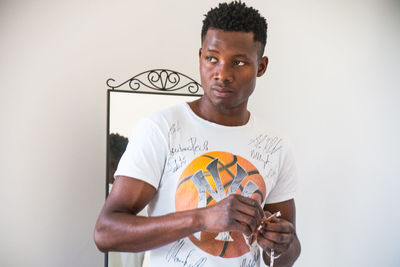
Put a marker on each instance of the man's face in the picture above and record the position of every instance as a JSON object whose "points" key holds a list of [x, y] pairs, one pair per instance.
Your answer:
{"points": [[229, 65]]}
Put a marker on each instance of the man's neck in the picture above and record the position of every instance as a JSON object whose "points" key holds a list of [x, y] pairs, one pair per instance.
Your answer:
{"points": [[229, 117]]}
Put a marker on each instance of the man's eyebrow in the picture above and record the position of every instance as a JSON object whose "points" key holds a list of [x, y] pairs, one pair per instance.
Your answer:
{"points": [[212, 50], [237, 55], [241, 55]]}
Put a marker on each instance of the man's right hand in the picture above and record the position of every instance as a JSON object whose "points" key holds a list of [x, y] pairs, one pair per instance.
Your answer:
{"points": [[233, 213], [120, 229]]}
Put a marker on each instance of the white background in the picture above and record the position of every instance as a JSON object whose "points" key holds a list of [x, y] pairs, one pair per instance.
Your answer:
{"points": [[332, 87]]}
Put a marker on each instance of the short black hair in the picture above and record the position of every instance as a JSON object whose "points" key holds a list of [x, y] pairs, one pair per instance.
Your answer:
{"points": [[237, 17], [118, 145]]}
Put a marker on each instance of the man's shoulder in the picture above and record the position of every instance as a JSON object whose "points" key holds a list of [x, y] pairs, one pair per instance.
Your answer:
{"points": [[166, 118], [168, 113], [266, 127], [269, 133]]}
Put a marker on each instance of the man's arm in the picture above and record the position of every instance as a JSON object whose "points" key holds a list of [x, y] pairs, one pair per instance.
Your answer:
{"points": [[280, 234], [119, 229]]}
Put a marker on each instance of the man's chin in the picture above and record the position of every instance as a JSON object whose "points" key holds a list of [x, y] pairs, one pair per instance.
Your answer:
{"points": [[225, 106]]}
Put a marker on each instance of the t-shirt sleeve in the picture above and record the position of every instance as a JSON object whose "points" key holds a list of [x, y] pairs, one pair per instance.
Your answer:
{"points": [[145, 155], [286, 183]]}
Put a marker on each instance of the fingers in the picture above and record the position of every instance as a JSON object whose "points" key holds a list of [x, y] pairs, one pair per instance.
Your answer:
{"points": [[276, 234], [249, 213], [278, 238], [267, 213], [249, 216], [234, 213], [243, 228], [278, 225], [252, 203], [246, 224], [267, 245]]}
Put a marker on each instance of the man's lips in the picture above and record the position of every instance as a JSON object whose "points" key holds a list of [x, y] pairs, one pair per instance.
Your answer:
{"points": [[221, 91]]}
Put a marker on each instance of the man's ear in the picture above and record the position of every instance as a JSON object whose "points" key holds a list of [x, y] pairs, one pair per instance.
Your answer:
{"points": [[262, 66], [199, 52]]}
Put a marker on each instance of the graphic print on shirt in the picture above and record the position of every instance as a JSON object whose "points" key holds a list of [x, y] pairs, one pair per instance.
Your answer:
{"points": [[207, 180]]}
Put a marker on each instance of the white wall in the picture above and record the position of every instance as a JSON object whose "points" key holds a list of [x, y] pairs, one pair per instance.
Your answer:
{"points": [[332, 86], [334, 89]]}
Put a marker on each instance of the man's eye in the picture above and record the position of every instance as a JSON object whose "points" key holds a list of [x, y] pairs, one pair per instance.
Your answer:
{"points": [[239, 63], [211, 59]]}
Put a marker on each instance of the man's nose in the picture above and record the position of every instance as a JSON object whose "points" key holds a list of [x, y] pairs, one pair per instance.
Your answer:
{"points": [[224, 72]]}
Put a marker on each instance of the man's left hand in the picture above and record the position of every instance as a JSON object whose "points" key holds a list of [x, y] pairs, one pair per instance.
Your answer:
{"points": [[277, 234]]}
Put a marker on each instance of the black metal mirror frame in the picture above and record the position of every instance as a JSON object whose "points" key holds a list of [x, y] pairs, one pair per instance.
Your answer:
{"points": [[157, 82]]}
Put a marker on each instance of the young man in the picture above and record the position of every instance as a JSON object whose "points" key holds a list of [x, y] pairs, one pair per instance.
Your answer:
{"points": [[209, 170]]}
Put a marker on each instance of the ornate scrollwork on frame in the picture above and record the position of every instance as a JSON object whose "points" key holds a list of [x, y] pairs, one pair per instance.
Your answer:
{"points": [[159, 80]]}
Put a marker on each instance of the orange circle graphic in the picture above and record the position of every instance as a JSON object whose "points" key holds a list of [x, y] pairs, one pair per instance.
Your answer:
{"points": [[187, 196]]}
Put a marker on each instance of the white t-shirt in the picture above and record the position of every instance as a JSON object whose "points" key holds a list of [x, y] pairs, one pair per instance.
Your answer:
{"points": [[193, 163]]}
